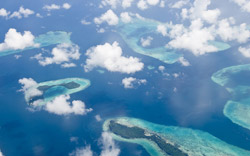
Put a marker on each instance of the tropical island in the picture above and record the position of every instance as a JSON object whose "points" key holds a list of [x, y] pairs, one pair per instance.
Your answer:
{"points": [[160, 140]]}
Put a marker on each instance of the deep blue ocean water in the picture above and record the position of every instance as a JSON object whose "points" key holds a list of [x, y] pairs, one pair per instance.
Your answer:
{"points": [[198, 102]]}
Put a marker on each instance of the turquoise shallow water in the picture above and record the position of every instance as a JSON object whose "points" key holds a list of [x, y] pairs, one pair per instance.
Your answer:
{"points": [[238, 108], [57, 90], [192, 142], [50, 38], [133, 31]]}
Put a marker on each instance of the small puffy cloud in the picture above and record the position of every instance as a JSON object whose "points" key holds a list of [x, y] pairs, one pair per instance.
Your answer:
{"points": [[109, 148], [162, 4], [98, 118], [84, 22], [22, 12], [66, 6], [68, 65], [129, 82], [74, 139], [85, 151], [184, 62], [28, 87], [245, 51], [1, 154], [62, 54], [4, 12], [146, 42], [153, 2], [57, 7], [125, 17], [101, 30], [162, 29], [51, 7], [17, 56], [175, 75], [161, 68], [109, 56], [142, 4], [127, 3], [61, 106], [110, 17], [16, 41], [179, 4], [112, 3], [39, 15], [244, 4]]}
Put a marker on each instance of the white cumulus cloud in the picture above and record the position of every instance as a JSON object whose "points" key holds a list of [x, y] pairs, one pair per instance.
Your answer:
{"points": [[4, 12], [109, 56], [57, 7], [61, 106], [228, 32], [162, 29], [142, 4], [179, 4], [28, 87], [62, 54], [244, 4], [112, 3], [183, 61], [145, 42], [125, 17], [66, 6], [127, 3], [109, 148], [195, 39], [16, 41], [244, 51], [153, 2], [52, 7], [200, 10], [129, 82], [22, 12], [110, 17], [85, 151]]}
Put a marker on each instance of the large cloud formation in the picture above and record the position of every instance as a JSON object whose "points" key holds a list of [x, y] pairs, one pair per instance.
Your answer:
{"points": [[16, 41], [109, 56]]}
